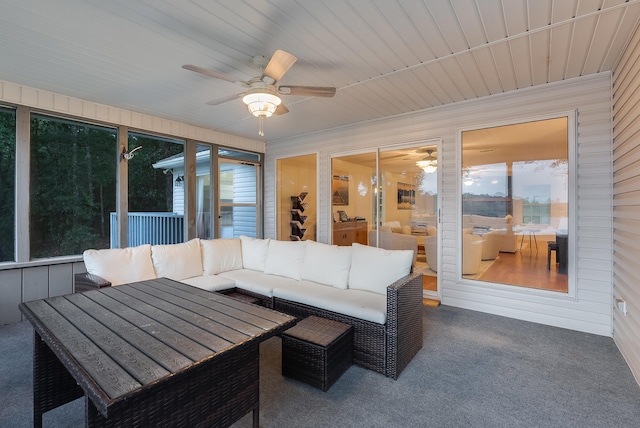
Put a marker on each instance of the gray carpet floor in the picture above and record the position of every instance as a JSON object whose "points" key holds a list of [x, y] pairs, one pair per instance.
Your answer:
{"points": [[475, 370]]}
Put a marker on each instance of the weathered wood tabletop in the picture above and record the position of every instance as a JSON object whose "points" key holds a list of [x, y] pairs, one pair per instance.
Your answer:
{"points": [[139, 339]]}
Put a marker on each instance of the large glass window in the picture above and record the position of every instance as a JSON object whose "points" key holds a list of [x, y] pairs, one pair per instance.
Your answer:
{"points": [[515, 204], [156, 190], [72, 186], [7, 184]]}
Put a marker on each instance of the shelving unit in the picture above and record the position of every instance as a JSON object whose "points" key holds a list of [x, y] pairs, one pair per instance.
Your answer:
{"points": [[297, 217]]}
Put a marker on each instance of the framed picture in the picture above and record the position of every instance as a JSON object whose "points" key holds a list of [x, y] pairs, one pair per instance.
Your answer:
{"points": [[340, 189], [406, 196]]}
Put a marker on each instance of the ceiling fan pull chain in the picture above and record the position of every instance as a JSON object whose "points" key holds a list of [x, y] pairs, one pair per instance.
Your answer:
{"points": [[261, 126]]}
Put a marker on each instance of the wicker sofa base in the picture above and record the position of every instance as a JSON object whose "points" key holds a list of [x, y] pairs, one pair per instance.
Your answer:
{"points": [[368, 337]]}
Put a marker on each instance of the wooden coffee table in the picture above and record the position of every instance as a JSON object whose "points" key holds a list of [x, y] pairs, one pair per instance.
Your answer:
{"points": [[151, 353]]}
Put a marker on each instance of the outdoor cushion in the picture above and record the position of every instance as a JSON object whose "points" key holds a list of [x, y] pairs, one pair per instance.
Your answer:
{"points": [[327, 264], [360, 304], [373, 269], [285, 258], [220, 255], [121, 265], [254, 252], [210, 282], [177, 261]]}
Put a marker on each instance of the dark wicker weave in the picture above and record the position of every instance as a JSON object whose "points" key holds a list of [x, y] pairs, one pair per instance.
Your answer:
{"points": [[388, 348], [87, 282], [241, 294], [152, 353], [317, 351]]}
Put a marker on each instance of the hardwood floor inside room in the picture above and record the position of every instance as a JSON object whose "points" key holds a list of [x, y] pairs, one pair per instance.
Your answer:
{"points": [[527, 268], [524, 268]]}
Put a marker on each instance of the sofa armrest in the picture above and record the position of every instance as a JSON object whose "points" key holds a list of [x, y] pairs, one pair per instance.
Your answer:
{"points": [[404, 322], [86, 282]]}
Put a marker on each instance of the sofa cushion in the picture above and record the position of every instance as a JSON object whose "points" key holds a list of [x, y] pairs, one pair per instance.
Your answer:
{"points": [[121, 265], [210, 282], [285, 258], [220, 255], [256, 281], [374, 269], [327, 264], [254, 252], [177, 261], [360, 304]]}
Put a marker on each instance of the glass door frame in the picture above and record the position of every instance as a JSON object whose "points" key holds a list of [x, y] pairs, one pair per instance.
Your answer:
{"points": [[259, 197], [437, 142]]}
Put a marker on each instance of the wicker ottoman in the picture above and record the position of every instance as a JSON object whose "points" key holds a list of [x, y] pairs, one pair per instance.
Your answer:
{"points": [[317, 351]]}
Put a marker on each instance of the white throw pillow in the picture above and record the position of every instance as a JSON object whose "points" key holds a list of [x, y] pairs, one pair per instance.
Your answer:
{"points": [[327, 264], [285, 258], [254, 252], [374, 269], [177, 261], [221, 255], [121, 265]]}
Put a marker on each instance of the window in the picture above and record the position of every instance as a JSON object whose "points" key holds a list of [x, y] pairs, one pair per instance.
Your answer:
{"points": [[515, 204], [7, 184], [72, 186], [156, 190]]}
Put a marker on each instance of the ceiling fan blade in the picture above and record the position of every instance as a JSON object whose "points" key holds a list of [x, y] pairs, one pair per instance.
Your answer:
{"points": [[282, 109], [223, 100], [209, 73], [309, 91], [279, 64]]}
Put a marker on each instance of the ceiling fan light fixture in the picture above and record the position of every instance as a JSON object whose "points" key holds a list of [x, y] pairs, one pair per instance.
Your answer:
{"points": [[429, 164], [262, 102]]}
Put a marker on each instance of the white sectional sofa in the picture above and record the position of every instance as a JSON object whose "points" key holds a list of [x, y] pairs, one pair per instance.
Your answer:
{"points": [[370, 288]]}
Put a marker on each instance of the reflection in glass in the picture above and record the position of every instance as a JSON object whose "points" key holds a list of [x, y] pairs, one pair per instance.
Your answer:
{"points": [[515, 204]]}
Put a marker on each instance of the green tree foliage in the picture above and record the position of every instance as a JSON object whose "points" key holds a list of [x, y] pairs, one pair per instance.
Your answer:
{"points": [[150, 189], [7, 184], [72, 186]]}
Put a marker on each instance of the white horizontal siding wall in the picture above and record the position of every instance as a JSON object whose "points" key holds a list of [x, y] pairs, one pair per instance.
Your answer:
{"points": [[29, 281], [626, 203], [590, 309]]}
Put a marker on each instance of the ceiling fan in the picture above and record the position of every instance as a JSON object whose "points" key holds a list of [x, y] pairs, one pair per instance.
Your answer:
{"points": [[262, 95]]}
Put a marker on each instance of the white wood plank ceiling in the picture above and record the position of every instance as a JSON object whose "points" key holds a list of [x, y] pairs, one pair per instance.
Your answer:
{"points": [[384, 57]]}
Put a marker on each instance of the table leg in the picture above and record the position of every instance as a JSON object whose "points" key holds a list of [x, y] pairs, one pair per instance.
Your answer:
{"points": [[256, 417], [53, 386]]}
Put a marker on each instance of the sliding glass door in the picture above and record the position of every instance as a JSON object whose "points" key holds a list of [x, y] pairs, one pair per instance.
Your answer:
{"points": [[238, 201]]}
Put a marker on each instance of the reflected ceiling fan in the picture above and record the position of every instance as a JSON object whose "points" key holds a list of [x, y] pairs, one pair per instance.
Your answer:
{"points": [[262, 95]]}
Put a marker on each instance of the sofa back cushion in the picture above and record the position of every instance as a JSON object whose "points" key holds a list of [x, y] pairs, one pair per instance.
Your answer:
{"points": [[177, 261], [285, 258], [254, 252], [374, 269], [220, 255], [121, 265], [327, 264]]}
